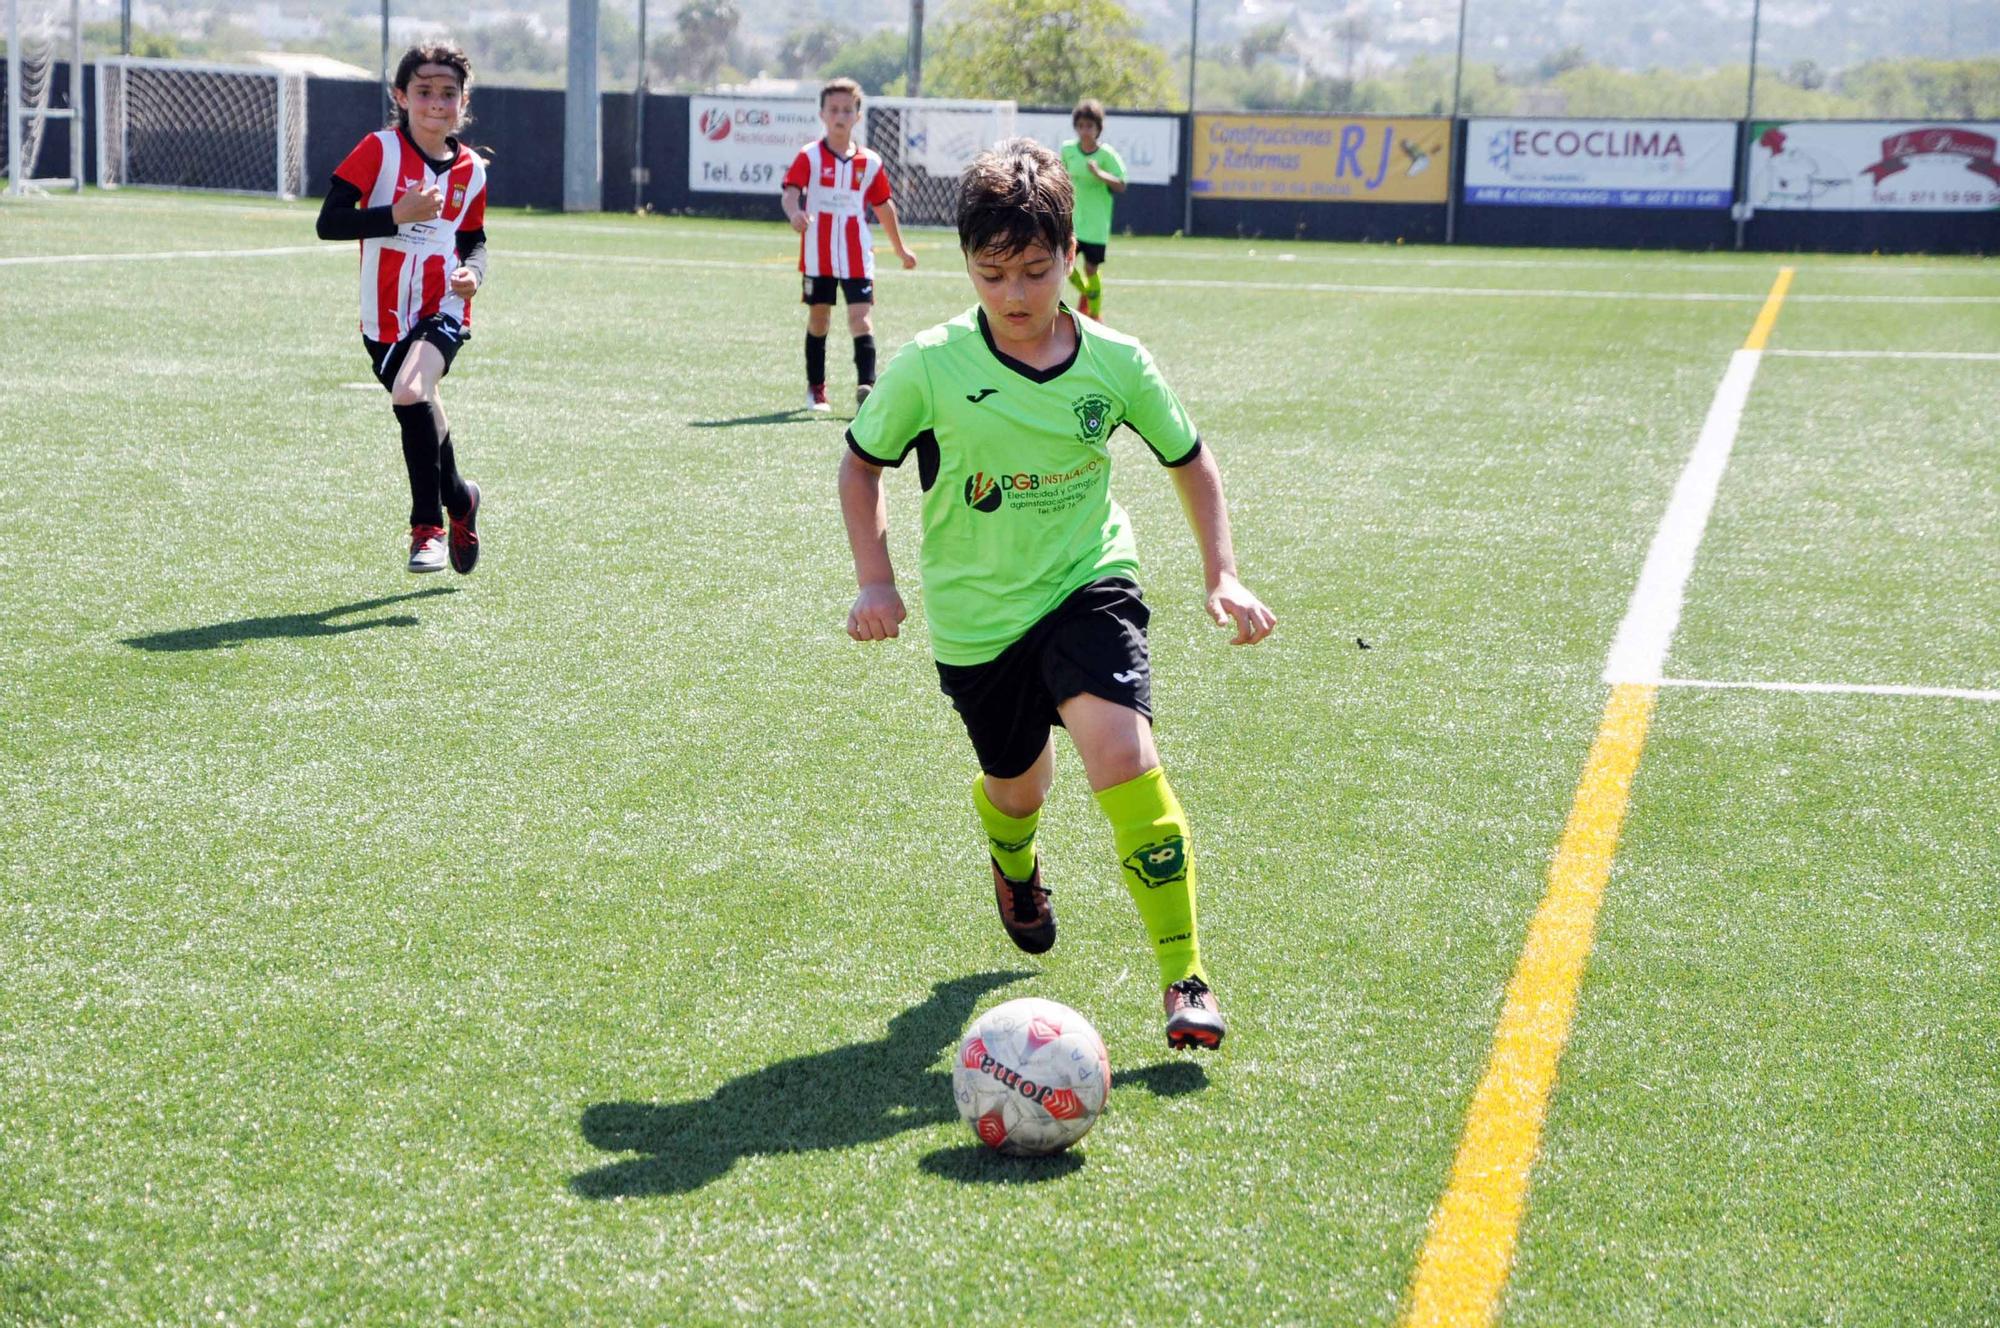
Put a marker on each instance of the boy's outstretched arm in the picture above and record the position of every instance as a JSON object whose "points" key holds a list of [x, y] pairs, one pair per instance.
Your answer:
{"points": [[1229, 600], [878, 610], [885, 212]]}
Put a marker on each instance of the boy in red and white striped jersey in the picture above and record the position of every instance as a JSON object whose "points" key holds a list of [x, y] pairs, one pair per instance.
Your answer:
{"points": [[415, 197], [828, 190]]}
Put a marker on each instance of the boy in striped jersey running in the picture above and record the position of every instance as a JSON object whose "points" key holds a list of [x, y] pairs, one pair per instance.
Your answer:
{"points": [[827, 192], [415, 197]]}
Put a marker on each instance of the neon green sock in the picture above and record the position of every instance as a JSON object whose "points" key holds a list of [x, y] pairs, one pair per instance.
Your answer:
{"points": [[1076, 280], [1093, 290], [1151, 831], [1011, 838]]}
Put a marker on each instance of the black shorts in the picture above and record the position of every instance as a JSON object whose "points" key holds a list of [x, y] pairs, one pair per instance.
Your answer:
{"points": [[440, 330], [819, 290], [1094, 252], [1093, 642]]}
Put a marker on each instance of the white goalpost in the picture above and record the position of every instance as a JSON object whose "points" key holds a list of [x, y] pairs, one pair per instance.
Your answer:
{"points": [[180, 124], [34, 50], [924, 143]]}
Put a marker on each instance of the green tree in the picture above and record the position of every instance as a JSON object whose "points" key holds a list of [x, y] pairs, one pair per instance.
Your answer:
{"points": [[703, 31], [1266, 39], [805, 50], [877, 62], [512, 51], [1047, 53], [104, 37]]}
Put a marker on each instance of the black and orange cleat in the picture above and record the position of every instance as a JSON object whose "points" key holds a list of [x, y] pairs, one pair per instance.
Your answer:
{"points": [[1193, 1017], [464, 538], [1025, 910]]}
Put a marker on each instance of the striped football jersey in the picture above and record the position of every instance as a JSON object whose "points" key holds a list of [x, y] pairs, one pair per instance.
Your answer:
{"points": [[837, 192], [405, 276]]}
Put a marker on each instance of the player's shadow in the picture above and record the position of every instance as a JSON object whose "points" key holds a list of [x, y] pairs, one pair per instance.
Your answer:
{"points": [[797, 415], [976, 1164], [851, 1095], [228, 635]]}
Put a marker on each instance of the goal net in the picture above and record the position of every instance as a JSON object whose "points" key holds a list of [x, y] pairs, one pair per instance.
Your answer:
{"points": [[41, 36], [925, 142], [175, 124]]}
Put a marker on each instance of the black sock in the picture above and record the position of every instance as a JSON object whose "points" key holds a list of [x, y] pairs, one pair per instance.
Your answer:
{"points": [[864, 358], [815, 360], [457, 498], [420, 458]]}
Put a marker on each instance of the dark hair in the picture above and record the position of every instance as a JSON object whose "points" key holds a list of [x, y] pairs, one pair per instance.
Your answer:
{"points": [[1013, 197], [847, 85], [1090, 108], [429, 53]]}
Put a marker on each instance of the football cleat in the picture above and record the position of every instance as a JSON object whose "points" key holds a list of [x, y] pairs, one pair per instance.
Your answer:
{"points": [[427, 549], [1193, 1018], [861, 391], [1025, 910], [464, 536], [816, 398]]}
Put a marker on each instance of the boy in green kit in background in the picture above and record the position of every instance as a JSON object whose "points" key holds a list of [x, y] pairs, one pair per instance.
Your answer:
{"points": [[1029, 568], [1096, 172]]}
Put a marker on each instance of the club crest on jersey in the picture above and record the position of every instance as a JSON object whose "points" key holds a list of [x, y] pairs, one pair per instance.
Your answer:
{"points": [[1160, 863], [1093, 417], [458, 196]]}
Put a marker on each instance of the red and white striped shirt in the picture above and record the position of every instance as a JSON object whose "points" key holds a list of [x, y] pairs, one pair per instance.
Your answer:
{"points": [[837, 192], [405, 276]]}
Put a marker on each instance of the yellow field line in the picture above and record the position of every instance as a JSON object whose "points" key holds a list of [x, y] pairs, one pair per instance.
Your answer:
{"points": [[1767, 317], [1470, 1249], [1465, 1263]]}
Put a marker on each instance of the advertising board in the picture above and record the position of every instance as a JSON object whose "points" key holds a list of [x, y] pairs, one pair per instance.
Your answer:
{"points": [[1601, 163], [1322, 159], [1874, 166]]}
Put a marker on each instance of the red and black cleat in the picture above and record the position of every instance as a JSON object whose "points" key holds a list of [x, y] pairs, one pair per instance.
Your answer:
{"points": [[1025, 910], [464, 539], [1193, 1017]]}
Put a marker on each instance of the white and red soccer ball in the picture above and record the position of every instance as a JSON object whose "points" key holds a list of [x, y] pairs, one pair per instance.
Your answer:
{"points": [[1031, 1077]]}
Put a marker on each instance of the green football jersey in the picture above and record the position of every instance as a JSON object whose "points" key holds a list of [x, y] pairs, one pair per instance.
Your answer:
{"points": [[1015, 465], [1093, 196]]}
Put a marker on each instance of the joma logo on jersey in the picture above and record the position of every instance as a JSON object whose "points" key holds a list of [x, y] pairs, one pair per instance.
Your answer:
{"points": [[1093, 417], [1160, 863]]}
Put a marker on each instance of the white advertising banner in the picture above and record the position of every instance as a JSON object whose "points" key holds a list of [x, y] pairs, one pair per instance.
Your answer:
{"points": [[1601, 163], [1874, 166], [1149, 144], [744, 145]]}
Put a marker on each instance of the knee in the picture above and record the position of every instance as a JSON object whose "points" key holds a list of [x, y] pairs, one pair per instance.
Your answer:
{"points": [[1123, 763], [1020, 796], [819, 320], [861, 325], [409, 394]]}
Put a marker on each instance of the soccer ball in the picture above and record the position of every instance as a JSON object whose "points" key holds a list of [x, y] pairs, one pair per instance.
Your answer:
{"points": [[1031, 1077]]}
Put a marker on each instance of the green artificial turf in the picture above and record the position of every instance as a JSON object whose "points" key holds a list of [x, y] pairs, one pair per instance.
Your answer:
{"points": [[585, 941]]}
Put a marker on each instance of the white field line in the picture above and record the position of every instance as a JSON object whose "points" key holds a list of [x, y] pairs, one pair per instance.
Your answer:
{"points": [[952, 274], [1886, 354], [1282, 287], [170, 255], [652, 228], [1639, 651], [1858, 688]]}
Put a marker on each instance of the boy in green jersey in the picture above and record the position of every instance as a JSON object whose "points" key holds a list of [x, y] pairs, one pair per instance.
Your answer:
{"points": [[1029, 567], [1096, 172]]}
